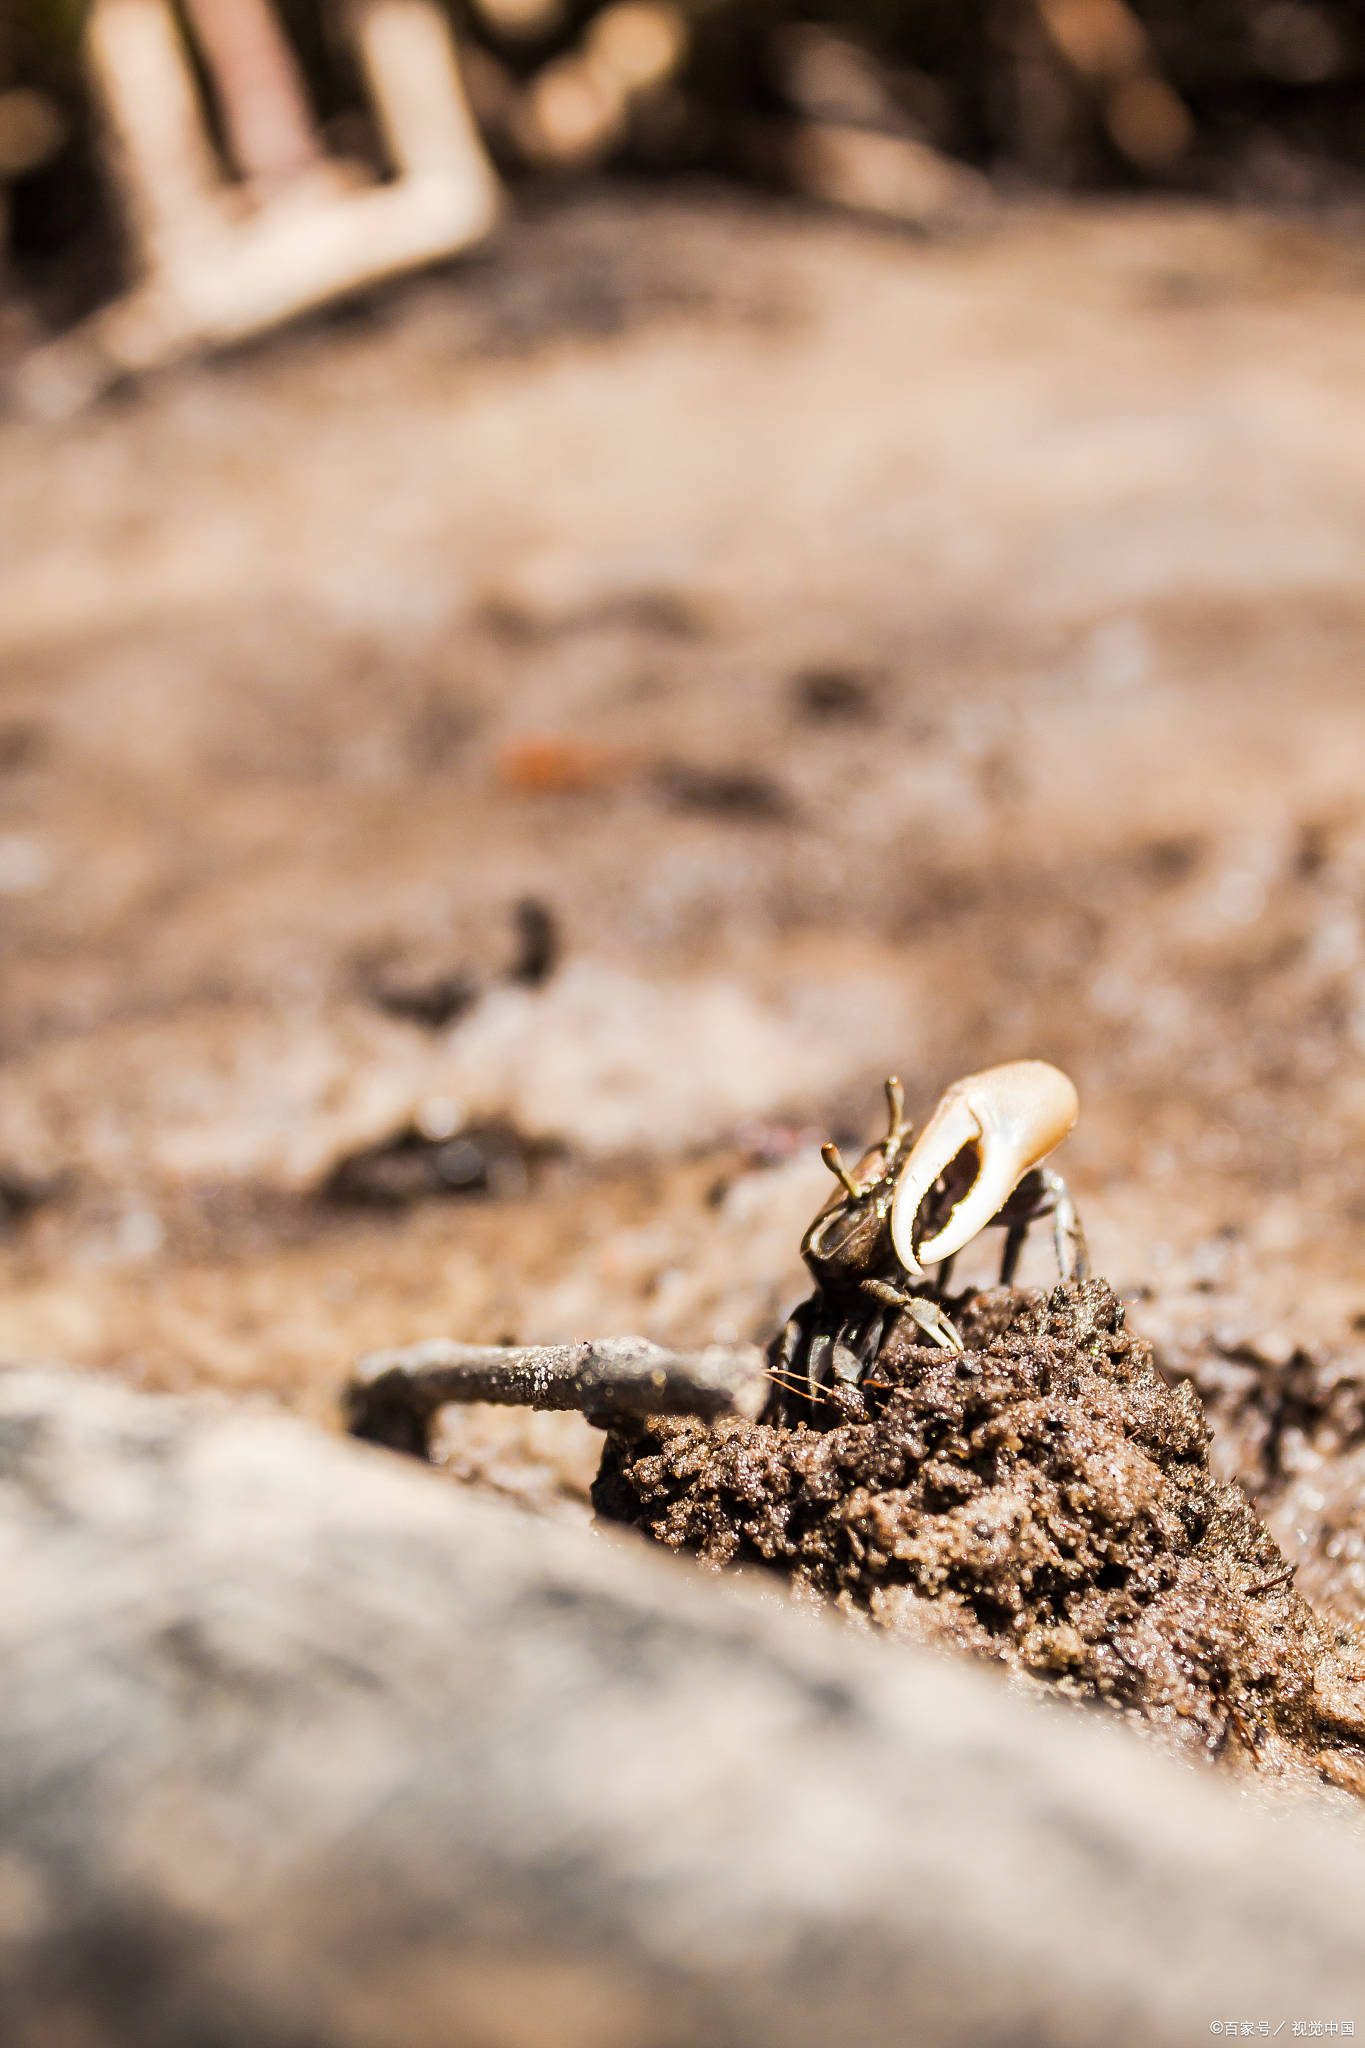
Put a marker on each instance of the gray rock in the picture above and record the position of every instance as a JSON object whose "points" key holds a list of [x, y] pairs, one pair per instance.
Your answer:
{"points": [[302, 1747]]}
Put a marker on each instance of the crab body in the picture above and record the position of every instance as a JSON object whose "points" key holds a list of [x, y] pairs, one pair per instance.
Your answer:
{"points": [[977, 1163]]}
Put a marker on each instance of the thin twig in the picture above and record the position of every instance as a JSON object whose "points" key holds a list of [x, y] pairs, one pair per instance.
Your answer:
{"points": [[394, 1395]]}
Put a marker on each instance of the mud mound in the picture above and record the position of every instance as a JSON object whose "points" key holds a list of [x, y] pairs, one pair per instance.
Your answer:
{"points": [[1044, 1500]]}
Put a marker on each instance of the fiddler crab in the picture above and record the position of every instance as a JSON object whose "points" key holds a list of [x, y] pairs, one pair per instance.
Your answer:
{"points": [[908, 1205]]}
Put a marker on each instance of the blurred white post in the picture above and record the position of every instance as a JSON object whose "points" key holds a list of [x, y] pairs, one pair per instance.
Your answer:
{"points": [[265, 112], [162, 160], [414, 79], [221, 259]]}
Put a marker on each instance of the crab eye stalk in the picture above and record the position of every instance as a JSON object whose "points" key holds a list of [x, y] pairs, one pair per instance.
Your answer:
{"points": [[895, 1104], [1013, 1116], [834, 1160]]}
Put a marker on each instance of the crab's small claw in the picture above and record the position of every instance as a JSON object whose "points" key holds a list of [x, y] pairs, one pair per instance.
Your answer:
{"points": [[1013, 1116]]}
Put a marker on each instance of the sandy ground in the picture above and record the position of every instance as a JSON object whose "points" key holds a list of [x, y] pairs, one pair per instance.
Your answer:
{"points": [[870, 655]]}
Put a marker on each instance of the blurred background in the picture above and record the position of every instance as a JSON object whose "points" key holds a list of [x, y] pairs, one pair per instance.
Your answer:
{"points": [[860, 568], [1247, 100]]}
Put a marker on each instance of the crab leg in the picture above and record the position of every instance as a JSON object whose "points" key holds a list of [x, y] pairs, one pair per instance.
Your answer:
{"points": [[1073, 1254], [921, 1309], [1012, 1116], [1014, 1244]]}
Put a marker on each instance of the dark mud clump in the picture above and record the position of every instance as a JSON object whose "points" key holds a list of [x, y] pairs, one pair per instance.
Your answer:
{"points": [[1044, 1500]]}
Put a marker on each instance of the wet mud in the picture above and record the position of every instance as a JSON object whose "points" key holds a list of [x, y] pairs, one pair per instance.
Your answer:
{"points": [[1044, 1500]]}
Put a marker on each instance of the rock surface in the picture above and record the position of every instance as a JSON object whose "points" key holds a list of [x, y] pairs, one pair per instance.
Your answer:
{"points": [[299, 1745]]}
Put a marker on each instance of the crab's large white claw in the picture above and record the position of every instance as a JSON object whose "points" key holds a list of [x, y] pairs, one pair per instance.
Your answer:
{"points": [[1014, 1116]]}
